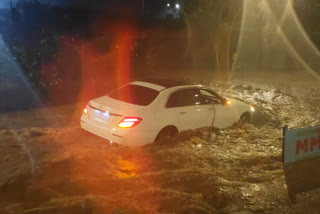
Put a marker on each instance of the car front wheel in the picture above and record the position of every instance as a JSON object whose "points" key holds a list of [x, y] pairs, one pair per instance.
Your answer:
{"points": [[245, 117]]}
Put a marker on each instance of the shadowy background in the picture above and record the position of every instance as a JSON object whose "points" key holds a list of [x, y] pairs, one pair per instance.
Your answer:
{"points": [[70, 51]]}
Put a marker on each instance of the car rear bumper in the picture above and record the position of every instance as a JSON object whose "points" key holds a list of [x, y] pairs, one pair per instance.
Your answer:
{"points": [[126, 137], [103, 132]]}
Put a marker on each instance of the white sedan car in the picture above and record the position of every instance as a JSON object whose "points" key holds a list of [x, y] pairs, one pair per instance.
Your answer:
{"points": [[147, 111]]}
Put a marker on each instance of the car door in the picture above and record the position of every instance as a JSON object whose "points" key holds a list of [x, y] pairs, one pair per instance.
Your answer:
{"points": [[187, 106], [224, 112]]}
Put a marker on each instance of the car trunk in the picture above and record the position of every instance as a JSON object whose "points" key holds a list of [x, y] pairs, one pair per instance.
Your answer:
{"points": [[108, 112]]}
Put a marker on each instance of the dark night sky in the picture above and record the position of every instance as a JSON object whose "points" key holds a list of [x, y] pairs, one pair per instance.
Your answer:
{"points": [[75, 3]]}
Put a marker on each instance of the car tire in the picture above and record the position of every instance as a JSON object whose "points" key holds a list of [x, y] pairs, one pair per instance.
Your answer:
{"points": [[245, 117], [166, 133]]}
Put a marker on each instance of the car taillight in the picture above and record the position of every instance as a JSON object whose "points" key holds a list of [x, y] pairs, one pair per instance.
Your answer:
{"points": [[85, 110], [129, 122]]}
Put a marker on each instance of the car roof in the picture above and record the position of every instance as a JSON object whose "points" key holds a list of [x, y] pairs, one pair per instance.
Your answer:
{"points": [[166, 83]]}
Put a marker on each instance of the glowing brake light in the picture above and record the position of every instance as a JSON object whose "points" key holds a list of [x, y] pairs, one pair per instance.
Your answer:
{"points": [[129, 122], [85, 110]]}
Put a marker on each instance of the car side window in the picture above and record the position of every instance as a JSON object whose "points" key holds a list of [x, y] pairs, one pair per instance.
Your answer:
{"points": [[209, 97], [185, 97]]}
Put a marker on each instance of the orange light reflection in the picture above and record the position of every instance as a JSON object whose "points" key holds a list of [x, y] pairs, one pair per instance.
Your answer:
{"points": [[94, 167]]}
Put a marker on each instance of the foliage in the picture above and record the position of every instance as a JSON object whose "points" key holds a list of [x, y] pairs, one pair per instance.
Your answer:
{"points": [[212, 21]]}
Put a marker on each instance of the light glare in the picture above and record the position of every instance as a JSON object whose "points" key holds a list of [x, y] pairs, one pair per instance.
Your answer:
{"points": [[129, 122], [252, 109], [126, 124]]}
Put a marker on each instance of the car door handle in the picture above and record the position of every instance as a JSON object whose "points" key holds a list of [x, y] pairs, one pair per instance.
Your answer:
{"points": [[183, 112]]}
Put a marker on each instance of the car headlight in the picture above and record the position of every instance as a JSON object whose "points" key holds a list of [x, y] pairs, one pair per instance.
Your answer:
{"points": [[252, 108]]}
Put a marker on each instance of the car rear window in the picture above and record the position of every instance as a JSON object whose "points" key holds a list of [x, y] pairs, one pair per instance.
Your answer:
{"points": [[135, 94]]}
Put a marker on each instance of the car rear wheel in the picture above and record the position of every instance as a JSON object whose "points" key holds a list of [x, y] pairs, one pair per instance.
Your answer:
{"points": [[166, 133], [245, 117]]}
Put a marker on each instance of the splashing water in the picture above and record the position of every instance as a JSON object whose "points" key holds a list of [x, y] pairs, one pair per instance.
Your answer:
{"points": [[19, 141], [274, 47]]}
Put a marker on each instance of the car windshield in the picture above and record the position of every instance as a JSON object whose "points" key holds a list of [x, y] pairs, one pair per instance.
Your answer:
{"points": [[135, 94]]}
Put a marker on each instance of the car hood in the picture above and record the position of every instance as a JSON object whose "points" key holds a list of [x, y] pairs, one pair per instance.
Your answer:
{"points": [[240, 105]]}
